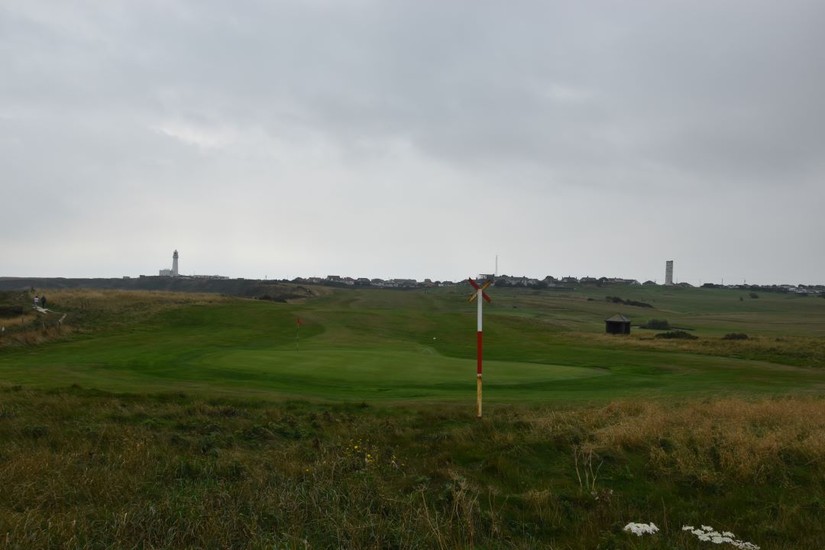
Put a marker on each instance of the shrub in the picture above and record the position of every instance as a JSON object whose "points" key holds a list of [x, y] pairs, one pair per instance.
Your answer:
{"points": [[657, 324], [735, 336], [635, 303], [677, 334], [11, 311]]}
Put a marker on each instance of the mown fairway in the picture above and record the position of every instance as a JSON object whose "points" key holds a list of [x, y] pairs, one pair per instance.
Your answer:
{"points": [[157, 420], [378, 345]]}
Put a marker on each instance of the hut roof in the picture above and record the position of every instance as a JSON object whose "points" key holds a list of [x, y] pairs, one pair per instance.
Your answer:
{"points": [[618, 318]]}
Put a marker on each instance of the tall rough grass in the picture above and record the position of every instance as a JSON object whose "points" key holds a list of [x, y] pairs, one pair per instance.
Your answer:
{"points": [[721, 439], [81, 469], [797, 350], [86, 311]]}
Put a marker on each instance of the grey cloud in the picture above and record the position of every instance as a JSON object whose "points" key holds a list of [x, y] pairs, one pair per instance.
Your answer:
{"points": [[365, 113]]}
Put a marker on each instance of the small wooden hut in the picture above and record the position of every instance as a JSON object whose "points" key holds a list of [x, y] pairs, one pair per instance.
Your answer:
{"points": [[618, 324]]}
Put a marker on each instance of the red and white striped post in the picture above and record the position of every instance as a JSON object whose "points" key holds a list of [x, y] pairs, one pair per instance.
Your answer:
{"points": [[479, 295]]}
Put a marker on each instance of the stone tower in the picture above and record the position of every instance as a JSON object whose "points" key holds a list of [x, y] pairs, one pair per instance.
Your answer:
{"points": [[668, 272], [175, 264]]}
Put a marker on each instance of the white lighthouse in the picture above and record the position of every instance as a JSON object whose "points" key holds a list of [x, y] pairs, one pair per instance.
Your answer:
{"points": [[175, 264]]}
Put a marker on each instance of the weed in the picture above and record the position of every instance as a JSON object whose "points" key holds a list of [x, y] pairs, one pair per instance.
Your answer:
{"points": [[640, 529], [677, 334], [707, 533], [583, 460]]}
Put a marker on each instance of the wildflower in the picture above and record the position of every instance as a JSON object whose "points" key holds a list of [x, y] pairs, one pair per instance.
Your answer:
{"points": [[640, 529], [708, 534]]}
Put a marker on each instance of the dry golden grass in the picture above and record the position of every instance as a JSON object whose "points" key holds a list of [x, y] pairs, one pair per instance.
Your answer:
{"points": [[803, 351], [88, 310], [83, 470], [727, 438], [122, 300]]}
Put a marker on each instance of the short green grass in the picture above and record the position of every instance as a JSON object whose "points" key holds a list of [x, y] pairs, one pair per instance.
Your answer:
{"points": [[383, 345]]}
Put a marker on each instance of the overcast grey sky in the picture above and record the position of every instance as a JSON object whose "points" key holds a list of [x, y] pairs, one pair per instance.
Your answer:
{"points": [[416, 138]]}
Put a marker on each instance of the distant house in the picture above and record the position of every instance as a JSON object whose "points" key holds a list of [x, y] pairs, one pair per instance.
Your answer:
{"points": [[506, 280], [618, 324]]}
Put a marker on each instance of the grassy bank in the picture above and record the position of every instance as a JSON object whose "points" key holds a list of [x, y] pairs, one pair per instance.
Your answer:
{"points": [[85, 469]]}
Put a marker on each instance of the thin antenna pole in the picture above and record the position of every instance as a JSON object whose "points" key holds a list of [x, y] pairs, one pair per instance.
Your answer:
{"points": [[298, 324]]}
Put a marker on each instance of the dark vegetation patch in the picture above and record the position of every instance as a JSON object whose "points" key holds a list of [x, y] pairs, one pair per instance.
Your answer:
{"points": [[677, 335], [283, 293], [7, 311], [662, 324], [12, 303], [735, 336], [656, 324], [634, 303]]}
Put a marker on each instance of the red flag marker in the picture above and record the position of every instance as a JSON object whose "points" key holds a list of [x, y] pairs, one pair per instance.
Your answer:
{"points": [[479, 295]]}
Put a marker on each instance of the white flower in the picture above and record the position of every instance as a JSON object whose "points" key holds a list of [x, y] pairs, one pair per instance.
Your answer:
{"points": [[640, 529], [709, 534]]}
